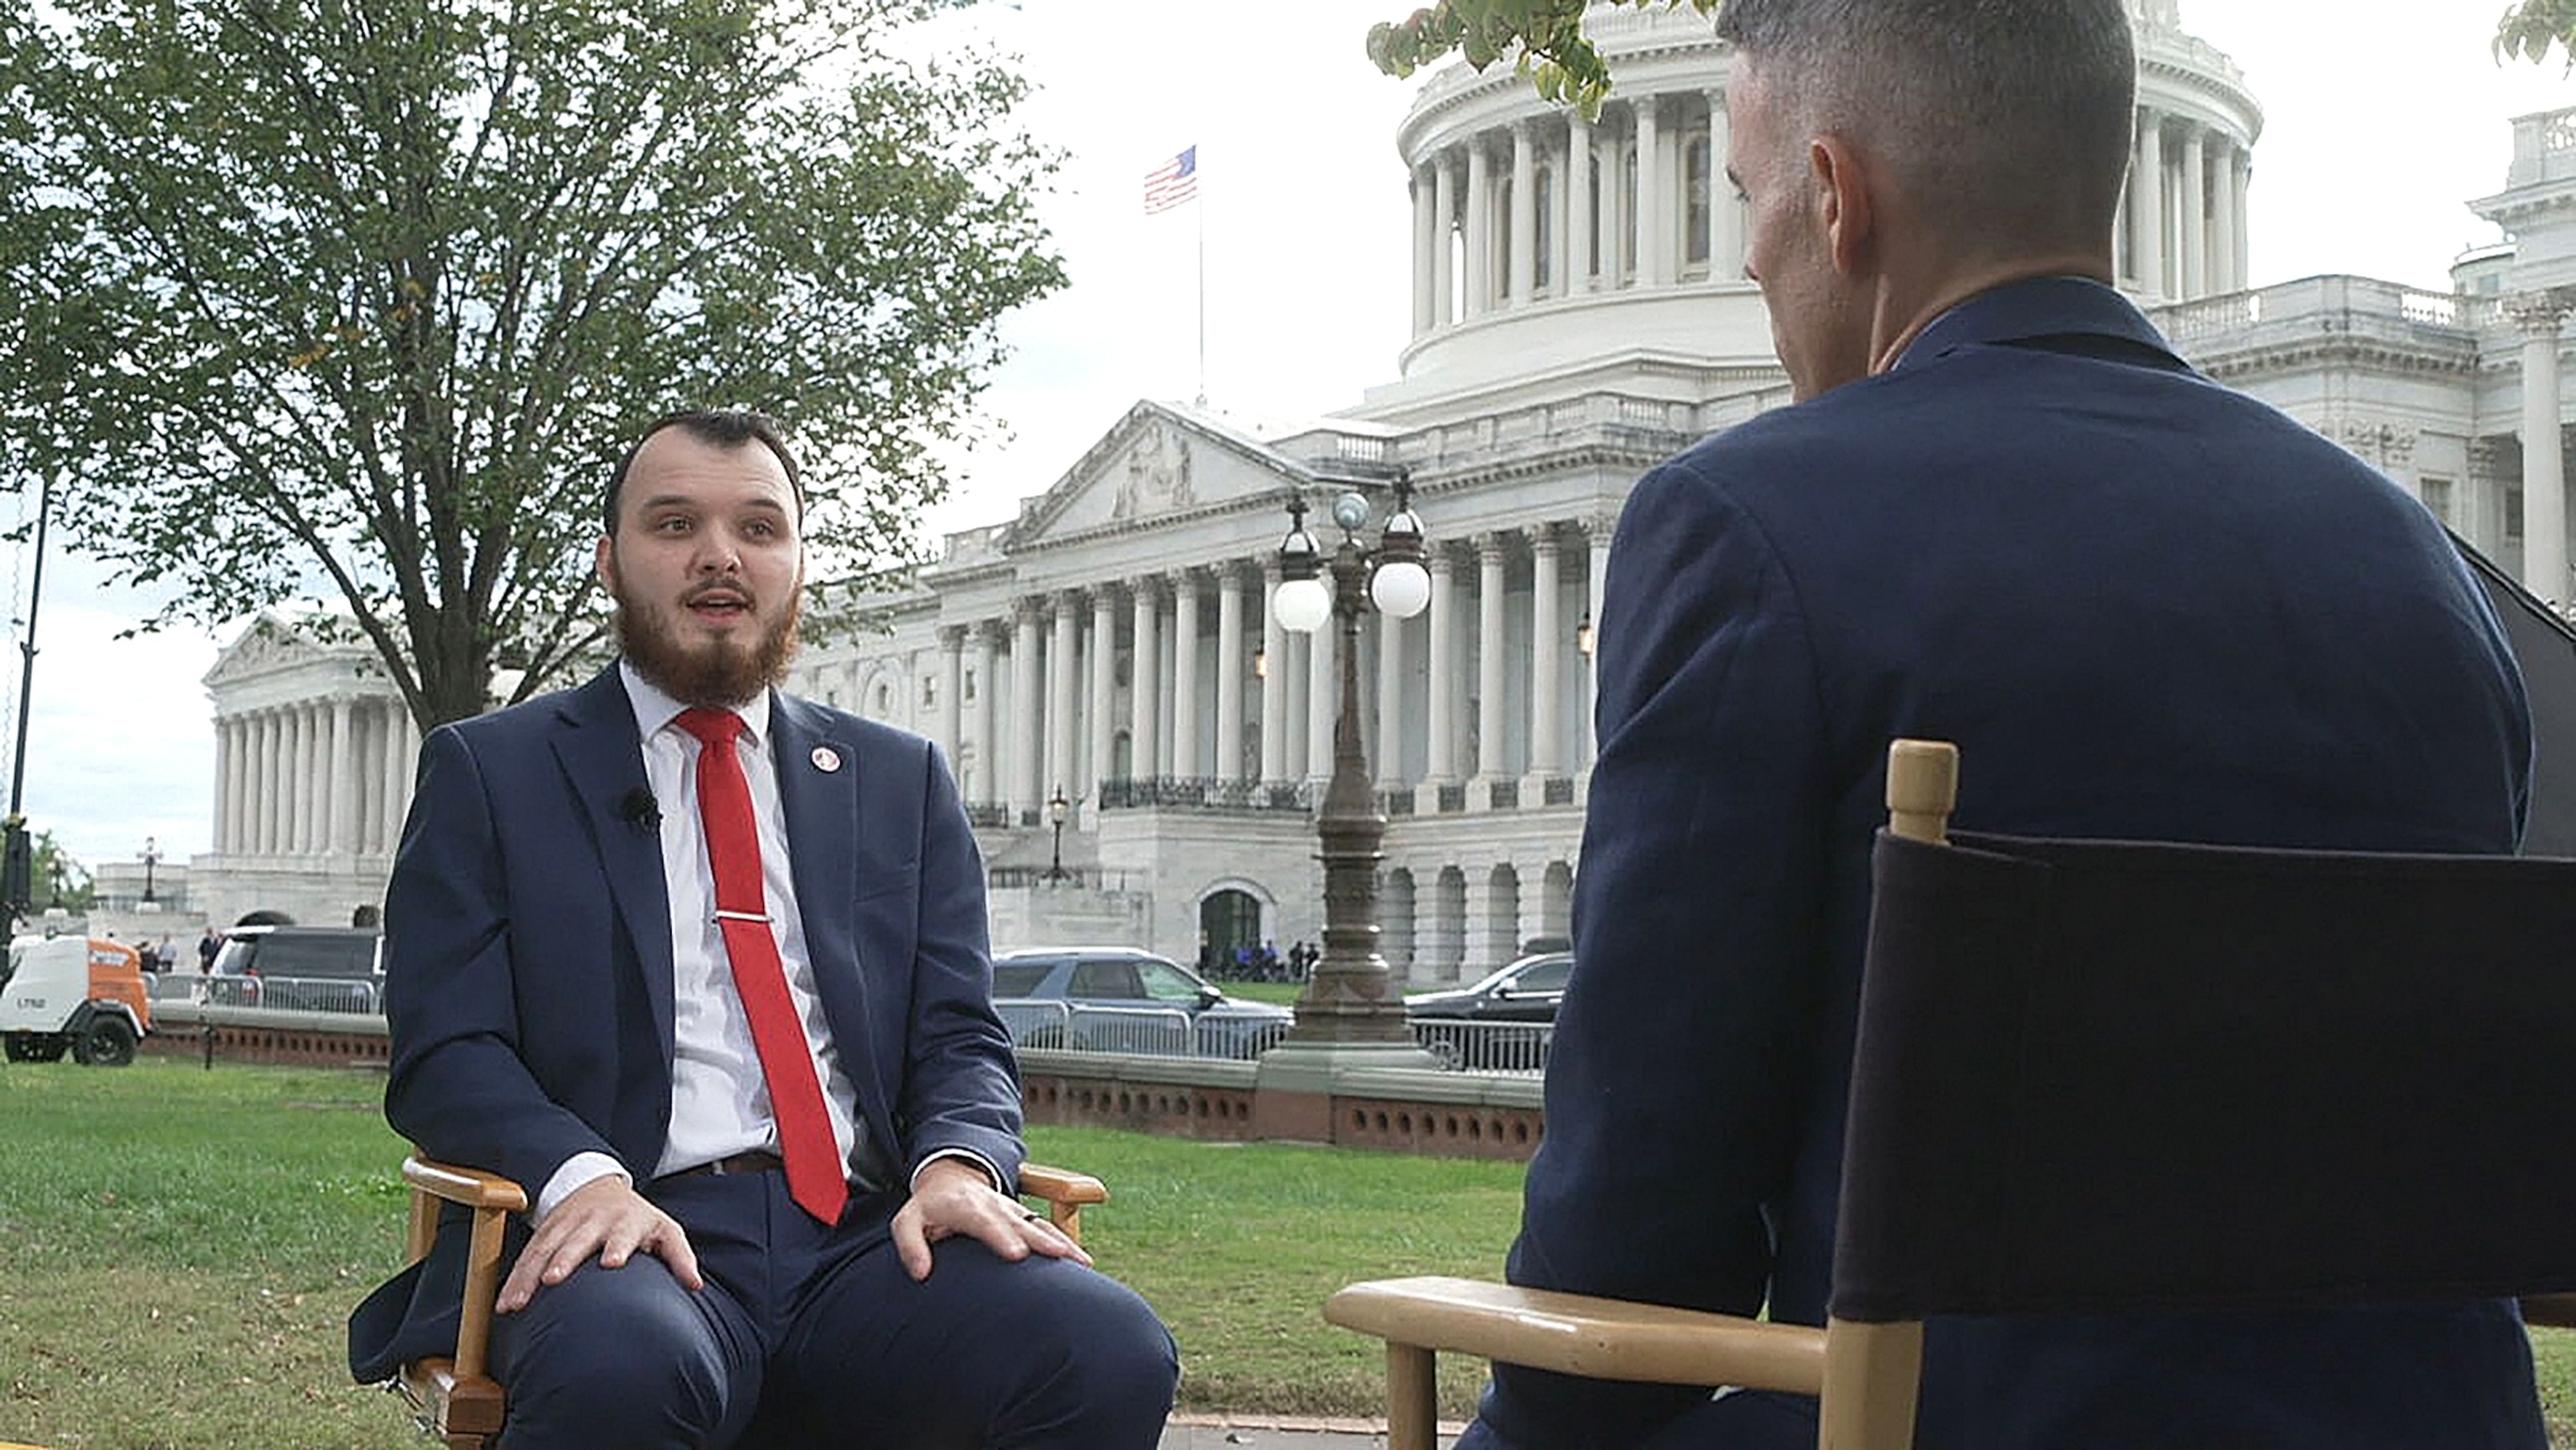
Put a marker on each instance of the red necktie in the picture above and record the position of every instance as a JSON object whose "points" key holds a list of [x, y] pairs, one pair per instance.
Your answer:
{"points": [[816, 1178]]}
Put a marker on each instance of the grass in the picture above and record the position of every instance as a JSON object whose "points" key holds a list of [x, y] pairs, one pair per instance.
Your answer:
{"points": [[179, 1248]]}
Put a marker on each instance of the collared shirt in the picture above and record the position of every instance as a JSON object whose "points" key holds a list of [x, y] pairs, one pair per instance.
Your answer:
{"points": [[719, 1098]]}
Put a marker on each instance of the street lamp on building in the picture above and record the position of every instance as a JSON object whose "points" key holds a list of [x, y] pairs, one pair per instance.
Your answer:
{"points": [[1057, 809], [151, 857], [1346, 999]]}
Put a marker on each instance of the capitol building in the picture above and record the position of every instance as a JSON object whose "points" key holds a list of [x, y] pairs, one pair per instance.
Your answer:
{"points": [[1579, 312]]}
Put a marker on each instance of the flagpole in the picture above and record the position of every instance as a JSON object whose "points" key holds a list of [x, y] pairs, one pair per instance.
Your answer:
{"points": [[1200, 206]]}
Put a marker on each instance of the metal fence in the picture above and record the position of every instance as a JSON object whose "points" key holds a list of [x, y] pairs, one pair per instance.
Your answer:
{"points": [[1485, 1046], [358, 995], [1138, 1031]]}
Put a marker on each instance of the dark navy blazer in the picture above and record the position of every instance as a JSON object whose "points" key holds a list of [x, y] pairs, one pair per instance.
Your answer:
{"points": [[2144, 606], [528, 966]]}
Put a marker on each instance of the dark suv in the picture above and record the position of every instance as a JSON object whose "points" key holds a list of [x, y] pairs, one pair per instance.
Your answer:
{"points": [[307, 968], [1120, 999], [1525, 993]]}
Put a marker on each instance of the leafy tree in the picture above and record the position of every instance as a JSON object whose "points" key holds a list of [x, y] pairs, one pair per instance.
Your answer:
{"points": [[58, 877], [354, 301], [1545, 39], [2532, 26]]}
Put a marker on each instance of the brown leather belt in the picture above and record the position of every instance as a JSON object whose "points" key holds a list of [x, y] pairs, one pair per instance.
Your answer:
{"points": [[758, 1160]]}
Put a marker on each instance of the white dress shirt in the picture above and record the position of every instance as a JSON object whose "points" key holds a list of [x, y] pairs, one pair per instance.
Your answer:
{"points": [[719, 1098]]}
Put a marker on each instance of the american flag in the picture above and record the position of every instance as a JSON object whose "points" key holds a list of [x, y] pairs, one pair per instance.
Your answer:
{"points": [[1173, 182]]}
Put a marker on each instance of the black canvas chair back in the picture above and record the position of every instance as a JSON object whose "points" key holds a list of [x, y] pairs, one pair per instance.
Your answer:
{"points": [[2192, 1077]]}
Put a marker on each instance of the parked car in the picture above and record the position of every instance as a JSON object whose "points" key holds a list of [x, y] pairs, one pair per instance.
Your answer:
{"points": [[309, 968], [1120, 999], [1526, 992]]}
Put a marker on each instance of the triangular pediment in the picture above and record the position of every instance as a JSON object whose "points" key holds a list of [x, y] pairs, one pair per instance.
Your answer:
{"points": [[270, 645], [1158, 464]]}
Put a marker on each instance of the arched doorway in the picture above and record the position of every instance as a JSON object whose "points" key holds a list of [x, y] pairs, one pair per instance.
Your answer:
{"points": [[1227, 919]]}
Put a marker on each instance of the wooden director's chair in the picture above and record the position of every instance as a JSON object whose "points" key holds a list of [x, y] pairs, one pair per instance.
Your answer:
{"points": [[456, 1399], [2322, 1031]]}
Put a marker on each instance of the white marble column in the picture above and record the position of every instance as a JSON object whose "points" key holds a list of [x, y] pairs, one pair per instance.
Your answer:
{"points": [[1061, 671], [1225, 755], [1440, 757], [2222, 202], [1104, 685], [1524, 256], [1390, 700], [1490, 675], [989, 754], [1423, 242], [344, 777], [1725, 232], [2544, 466], [1576, 233], [227, 782], [1546, 757], [1028, 706], [2195, 212], [2147, 204], [952, 691], [392, 771], [2239, 177], [1444, 206], [1480, 229], [1654, 211], [255, 787], [1274, 678], [303, 775], [1616, 248], [1143, 676], [1185, 675]]}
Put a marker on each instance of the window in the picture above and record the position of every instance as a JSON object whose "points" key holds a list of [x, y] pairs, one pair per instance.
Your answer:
{"points": [[1018, 979], [929, 691], [2437, 498], [1699, 198], [1167, 983], [1106, 981], [1545, 257], [882, 704], [1545, 977], [2513, 513], [966, 691]]}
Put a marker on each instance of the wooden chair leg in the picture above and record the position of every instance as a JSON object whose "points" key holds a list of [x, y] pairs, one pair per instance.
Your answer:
{"points": [[1872, 1374], [1412, 1397]]}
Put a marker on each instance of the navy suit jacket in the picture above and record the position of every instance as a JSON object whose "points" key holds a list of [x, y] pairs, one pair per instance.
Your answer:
{"points": [[2144, 606], [528, 970]]}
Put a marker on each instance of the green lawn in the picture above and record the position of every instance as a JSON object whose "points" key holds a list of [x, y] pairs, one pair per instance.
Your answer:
{"points": [[178, 1249]]}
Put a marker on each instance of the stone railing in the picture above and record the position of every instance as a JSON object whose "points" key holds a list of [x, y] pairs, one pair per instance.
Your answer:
{"points": [[2544, 147], [1200, 793], [2312, 307]]}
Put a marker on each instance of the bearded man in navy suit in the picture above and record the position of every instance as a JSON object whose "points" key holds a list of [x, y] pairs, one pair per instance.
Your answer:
{"points": [[2000, 512], [771, 1208]]}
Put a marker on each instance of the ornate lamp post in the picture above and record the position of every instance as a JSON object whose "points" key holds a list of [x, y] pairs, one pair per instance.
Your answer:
{"points": [[1346, 1001], [1057, 809], [151, 857]]}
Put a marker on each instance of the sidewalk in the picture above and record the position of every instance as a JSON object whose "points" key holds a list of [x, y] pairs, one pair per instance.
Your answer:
{"points": [[1280, 1432]]}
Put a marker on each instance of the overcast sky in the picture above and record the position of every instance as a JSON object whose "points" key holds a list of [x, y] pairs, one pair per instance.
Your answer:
{"points": [[2381, 118]]}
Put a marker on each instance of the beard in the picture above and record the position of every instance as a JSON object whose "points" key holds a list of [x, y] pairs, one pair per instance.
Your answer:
{"points": [[717, 675]]}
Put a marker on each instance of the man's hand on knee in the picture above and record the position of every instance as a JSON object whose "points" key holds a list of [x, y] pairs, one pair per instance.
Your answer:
{"points": [[604, 1219], [952, 1197]]}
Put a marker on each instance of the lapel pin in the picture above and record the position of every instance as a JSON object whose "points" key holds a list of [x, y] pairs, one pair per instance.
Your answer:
{"points": [[826, 759]]}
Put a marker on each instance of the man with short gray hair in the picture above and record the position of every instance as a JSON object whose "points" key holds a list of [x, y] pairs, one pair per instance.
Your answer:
{"points": [[2001, 512]]}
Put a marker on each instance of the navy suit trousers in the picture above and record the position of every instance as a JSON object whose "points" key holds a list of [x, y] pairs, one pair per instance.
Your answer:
{"points": [[808, 1336]]}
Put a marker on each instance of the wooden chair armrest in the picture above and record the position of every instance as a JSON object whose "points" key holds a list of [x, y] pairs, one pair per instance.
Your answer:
{"points": [[493, 1199], [469, 1186], [2552, 1309], [1064, 1192], [1578, 1334]]}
